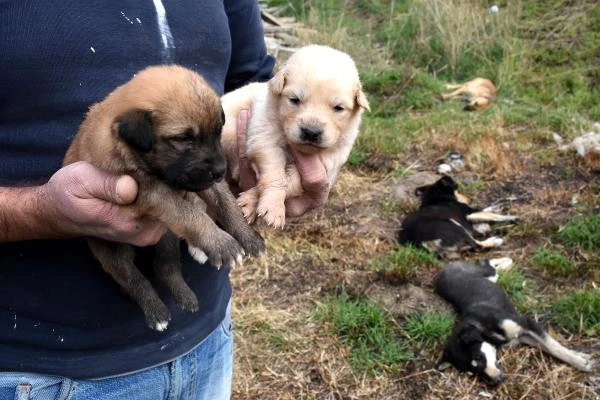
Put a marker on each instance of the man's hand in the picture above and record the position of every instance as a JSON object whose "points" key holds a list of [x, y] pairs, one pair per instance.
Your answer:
{"points": [[314, 178], [314, 182], [78, 200]]}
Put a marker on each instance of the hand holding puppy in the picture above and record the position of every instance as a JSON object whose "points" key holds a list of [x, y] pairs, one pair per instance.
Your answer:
{"points": [[83, 200], [312, 172]]}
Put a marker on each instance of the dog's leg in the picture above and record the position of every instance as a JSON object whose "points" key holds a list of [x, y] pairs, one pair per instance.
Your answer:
{"points": [[248, 201], [167, 266], [458, 92], [490, 243], [220, 199], [581, 361], [190, 222], [117, 260], [485, 216], [272, 185]]}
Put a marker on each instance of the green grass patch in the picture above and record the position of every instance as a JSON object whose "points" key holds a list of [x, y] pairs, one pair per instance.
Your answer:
{"points": [[367, 330], [582, 231], [579, 312], [404, 264], [429, 329], [518, 288], [554, 262]]}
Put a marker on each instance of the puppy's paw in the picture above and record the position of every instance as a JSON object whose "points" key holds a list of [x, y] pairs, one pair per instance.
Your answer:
{"points": [[585, 362], [187, 300], [223, 249], [250, 240], [248, 202], [490, 243], [274, 218], [271, 207], [158, 317]]}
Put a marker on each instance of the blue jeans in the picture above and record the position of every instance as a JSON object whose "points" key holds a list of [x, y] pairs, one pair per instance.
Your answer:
{"points": [[205, 373]]}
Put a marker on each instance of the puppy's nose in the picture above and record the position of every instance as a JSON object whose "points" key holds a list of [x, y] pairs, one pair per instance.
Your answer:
{"points": [[311, 134], [218, 168]]}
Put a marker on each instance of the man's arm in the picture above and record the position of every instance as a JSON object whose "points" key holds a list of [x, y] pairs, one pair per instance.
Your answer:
{"points": [[78, 200]]}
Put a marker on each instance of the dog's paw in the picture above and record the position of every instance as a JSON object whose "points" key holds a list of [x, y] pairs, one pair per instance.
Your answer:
{"points": [[248, 202], [585, 362], [271, 208], [491, 242], [250, 240], [197, 254], [223, 249], [158, 317], [501, 264], [187, 300], [274, 218]]}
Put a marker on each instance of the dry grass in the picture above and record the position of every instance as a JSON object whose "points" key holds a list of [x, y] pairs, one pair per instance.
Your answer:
{"points": [[283, 353]]}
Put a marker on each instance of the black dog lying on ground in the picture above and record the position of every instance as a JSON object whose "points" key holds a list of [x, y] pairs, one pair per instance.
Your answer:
{"points": [[443, 225], [487, 320]]}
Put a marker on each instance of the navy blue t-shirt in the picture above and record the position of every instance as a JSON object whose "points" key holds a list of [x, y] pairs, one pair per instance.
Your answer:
{"points": [[59, 312]]}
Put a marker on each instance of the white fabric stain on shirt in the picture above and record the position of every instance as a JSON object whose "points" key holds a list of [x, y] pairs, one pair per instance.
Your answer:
{"points": [[165, 30]]}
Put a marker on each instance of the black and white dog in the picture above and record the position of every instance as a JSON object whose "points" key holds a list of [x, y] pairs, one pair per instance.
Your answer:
{"points": [[487, 320], [443, 224]]}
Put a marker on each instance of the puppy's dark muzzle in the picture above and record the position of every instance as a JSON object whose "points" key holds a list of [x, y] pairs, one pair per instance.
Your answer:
{"points": [[311, 134]]}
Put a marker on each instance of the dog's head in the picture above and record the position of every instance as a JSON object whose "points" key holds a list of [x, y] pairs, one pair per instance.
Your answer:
{"points": [[170, 127], [320, 99], [468, 351], [440, 191]]}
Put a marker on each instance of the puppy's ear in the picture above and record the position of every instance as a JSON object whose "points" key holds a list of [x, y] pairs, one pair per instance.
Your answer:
{"points": [[421, 189], [277, 83], [448, 182], [135, 128], [361, 98]]}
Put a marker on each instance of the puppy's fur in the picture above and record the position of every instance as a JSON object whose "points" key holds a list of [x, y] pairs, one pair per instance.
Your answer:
{"points": [[477, 93], [163, 128], [314, 104], [487, 320], [443, 225]]}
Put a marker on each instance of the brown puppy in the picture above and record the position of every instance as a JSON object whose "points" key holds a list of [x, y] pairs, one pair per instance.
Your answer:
{"points": [[477, 93], [163, 128]]}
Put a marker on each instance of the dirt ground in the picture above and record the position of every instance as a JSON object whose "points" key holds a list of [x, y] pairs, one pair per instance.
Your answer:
{"points": [[283, 353]]}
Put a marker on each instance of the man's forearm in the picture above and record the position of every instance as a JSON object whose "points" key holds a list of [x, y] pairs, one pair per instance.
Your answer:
{"points": [[21, 215]]}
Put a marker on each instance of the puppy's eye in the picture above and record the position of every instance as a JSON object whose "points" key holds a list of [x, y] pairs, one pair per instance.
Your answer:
{"points": [[339, 108], [294, 100]]}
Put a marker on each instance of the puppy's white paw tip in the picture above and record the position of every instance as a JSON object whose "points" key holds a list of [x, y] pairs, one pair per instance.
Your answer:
{"points": [[503, 263], [161, 325], [197, 254]]}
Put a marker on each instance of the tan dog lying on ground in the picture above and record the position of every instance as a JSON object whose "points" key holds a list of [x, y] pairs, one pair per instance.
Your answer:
{"points": [[163, 128], [477, 93], [313, 104]]}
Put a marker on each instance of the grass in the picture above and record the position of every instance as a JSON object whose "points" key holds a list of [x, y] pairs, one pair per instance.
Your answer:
{"points": [[405, 263], [543, 56], [579, 312], [429, 328], [554, 262], [582, 231], [367, 330]]}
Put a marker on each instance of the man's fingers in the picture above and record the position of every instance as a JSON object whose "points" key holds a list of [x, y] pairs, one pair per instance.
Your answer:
{"points": [[126, 190]]}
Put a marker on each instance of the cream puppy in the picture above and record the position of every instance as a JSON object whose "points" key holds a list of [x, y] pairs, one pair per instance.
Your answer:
{"points": [[313, 104]]}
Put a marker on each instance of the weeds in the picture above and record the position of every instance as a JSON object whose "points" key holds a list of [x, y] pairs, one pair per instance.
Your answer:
{"points": [[554, 262], [428, 329], [579, 312], [405, 263], [582, 231], [367, 330]]}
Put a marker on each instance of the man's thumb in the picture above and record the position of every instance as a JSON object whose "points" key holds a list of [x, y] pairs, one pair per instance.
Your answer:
{"points": [[126, 189]]}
